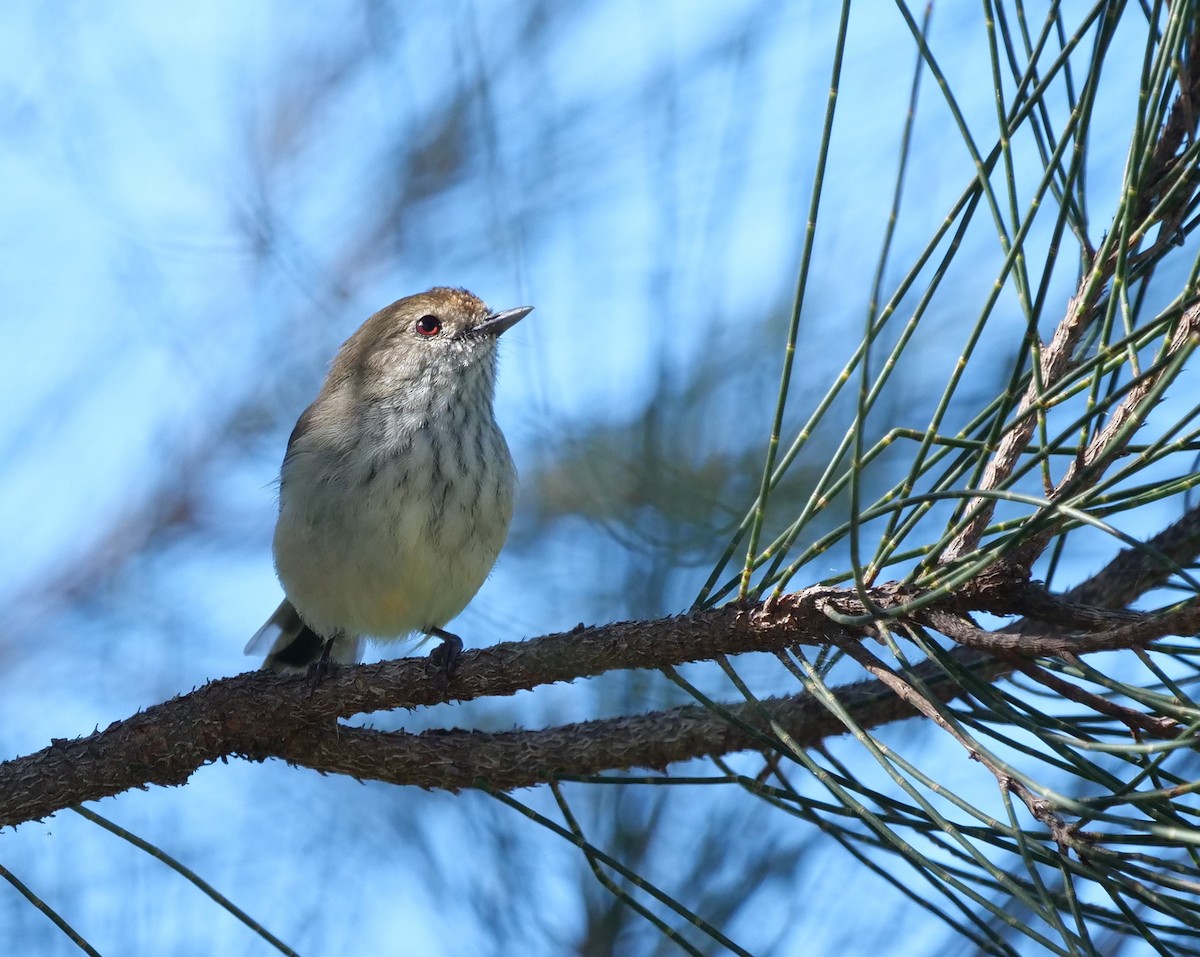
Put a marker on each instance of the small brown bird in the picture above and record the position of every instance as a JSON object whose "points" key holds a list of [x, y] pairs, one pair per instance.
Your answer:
{"points": [[397, 487]]}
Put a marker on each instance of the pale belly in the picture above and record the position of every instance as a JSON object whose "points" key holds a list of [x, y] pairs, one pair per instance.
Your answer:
{"points": [[402, 551]]}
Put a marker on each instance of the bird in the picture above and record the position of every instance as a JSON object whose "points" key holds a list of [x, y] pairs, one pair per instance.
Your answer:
{"points": [[396, 489]]}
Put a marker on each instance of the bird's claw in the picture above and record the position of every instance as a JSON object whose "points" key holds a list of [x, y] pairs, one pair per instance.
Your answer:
{"points": [[444, 658], [317, 671]]}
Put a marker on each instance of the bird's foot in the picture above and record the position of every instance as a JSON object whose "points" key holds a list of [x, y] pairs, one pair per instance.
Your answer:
{"points": [[317, 671], [444, 658]]}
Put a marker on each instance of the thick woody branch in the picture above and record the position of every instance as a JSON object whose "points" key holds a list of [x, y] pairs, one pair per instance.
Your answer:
{"points": [[1135, 571], [262, 715], [463, 759]]}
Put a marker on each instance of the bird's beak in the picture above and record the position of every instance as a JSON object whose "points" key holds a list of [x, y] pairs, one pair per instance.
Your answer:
{"points": [[498, 322]]}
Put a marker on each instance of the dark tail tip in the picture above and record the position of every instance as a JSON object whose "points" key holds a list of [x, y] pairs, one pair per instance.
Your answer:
{"points": [[297, 654]]}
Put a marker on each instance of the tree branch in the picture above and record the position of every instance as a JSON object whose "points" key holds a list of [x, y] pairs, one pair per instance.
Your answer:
{"points": [[1161, 193], [261, 715]]}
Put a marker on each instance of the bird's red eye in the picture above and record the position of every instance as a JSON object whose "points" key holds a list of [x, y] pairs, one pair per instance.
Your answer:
{"points": [[429, 326]]}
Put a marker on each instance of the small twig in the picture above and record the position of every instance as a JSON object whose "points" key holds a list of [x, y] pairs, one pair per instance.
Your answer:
{"points": [[904, 690], [1055, 363], [1066, 836], [1039, 807], [1184, 619], [1136, 721], [1056, 357], [1122, 423]]}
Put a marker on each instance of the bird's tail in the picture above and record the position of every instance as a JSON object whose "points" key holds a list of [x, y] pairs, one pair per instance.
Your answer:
{"points": [[290, 645]]}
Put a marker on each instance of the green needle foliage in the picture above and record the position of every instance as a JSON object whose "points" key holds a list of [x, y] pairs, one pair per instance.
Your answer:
{"points": [[1053, 314]]}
